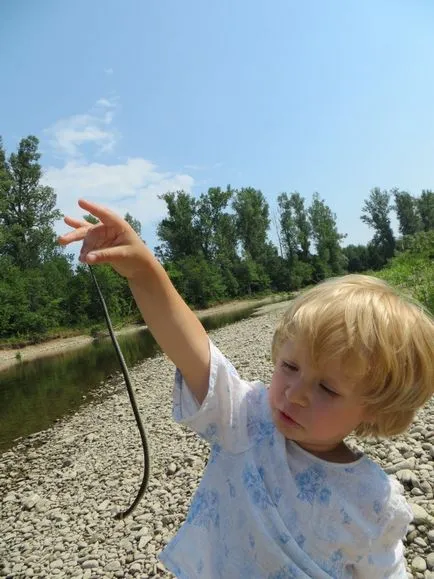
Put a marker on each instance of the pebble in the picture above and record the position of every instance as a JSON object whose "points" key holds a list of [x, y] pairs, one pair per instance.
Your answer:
{"points": [[420, 516], [56, 513], [418, 564]]}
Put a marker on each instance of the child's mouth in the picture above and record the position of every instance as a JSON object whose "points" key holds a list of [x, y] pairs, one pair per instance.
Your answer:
{"points": [[288, 420]]}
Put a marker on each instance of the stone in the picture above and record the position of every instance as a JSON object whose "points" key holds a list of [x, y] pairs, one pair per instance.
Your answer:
{"points": [[29, 502], [56, 564], [420, 516], [90, 564], [407, 477], [144, 540], [112, 566], [418, 564], [408, 464], [172, 468]]}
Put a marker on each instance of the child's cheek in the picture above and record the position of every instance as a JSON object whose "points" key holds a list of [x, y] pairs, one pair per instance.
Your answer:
{"points": [[272, 394]]}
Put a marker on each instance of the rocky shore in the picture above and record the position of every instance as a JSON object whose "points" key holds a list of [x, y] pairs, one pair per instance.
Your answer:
{"points": [[60, 488]]}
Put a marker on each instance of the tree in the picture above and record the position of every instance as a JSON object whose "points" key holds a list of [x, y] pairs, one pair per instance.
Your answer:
{"points": [[135, 223], [178, 231], [198, 280], [288, 229], [375, 213], [27, 208], [329, 258], [407, 212], [295, 231], [218, 235], [210, 220], [251, 276], [303, 227], [91, 219], [425, 205], [357, 258], [252, 221]]}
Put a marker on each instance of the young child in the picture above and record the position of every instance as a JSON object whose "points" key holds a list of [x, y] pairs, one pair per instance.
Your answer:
{"points": [[283, 496]]}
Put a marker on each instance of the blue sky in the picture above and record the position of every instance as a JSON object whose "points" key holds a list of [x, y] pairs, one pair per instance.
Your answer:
{"points": [[134, 98]]}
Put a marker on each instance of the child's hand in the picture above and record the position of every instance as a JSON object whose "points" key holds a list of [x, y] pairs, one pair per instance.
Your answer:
{"points": [[175, 327], [111, 241]]}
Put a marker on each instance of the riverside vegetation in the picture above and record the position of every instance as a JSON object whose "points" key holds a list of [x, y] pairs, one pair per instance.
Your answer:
{"points": [[215, 248]]}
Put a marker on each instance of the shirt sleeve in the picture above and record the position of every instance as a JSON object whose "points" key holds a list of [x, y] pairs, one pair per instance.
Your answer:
{"points": [[222, 417], [386, 556]]}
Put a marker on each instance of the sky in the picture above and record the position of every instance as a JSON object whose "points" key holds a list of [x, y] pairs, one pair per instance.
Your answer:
{"points": [[136, 98]]}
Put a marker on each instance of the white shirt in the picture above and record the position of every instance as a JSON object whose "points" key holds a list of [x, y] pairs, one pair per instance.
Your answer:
{"points": [[266, 508]]}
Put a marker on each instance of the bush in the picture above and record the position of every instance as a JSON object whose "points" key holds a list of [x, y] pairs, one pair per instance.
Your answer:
{"points": [[412, 271]]}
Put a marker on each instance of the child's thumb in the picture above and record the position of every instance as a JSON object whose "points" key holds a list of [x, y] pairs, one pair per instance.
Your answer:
{"points": [[102, 255]]}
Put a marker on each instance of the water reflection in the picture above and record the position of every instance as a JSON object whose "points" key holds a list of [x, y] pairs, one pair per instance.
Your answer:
{"points": [[34, 394]]}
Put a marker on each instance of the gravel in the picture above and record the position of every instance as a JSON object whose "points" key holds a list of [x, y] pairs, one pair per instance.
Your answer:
{"points": [[60, 488]]}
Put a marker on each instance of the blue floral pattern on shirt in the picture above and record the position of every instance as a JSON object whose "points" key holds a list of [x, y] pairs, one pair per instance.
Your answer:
{"points": [[204, 510], [310, 485], [254, 485]]}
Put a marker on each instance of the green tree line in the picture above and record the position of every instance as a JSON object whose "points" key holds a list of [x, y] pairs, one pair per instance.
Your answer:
{"points": [[215, 247]]}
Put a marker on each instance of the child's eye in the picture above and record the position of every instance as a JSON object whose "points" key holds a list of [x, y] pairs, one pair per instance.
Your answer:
{"points": [[328, 390], [290, 366]]}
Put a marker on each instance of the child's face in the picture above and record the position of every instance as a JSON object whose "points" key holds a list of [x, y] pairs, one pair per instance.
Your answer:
{"points": [[317, 407]]}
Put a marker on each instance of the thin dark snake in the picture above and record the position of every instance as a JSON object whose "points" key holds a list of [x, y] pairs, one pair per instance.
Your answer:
{"points": [[146, 456]]}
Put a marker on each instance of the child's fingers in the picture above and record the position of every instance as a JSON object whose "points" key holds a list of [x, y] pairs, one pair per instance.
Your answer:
{"points": [[76, 235], [104, 214], [80, 226], [76, 222], [106, 255]]}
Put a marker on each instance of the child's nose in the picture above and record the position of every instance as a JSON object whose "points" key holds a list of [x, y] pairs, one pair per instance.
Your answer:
{"points": [[298, 393]]}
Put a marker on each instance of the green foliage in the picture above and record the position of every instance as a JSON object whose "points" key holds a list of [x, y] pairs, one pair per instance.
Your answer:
{"points": [[425, 205], [252, 277], [329, 259], [32, 299], [178, 231], [406, 208], [27, 208], [357, 258], [214, 247], [198, 280], [288, 229], [91, 219], [375, 214], [252, 221], [135, 223], [413, 269]]}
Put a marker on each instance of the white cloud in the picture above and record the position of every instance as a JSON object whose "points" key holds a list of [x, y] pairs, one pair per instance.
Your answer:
{"points": [[93, 128], [133, 185], [105, 103]]}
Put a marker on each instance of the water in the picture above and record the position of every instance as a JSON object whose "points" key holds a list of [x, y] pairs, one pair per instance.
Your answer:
{"points": [[34, 394]]}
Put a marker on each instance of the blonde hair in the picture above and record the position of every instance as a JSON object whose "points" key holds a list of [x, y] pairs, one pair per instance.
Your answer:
{"points": [[383, 341]]}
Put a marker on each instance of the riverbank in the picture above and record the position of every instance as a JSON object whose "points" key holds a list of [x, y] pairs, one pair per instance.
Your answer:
{"points": [[11, 356], [61, 487]]}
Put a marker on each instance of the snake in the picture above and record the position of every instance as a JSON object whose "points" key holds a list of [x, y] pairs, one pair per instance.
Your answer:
{"points": [[144, 440]]}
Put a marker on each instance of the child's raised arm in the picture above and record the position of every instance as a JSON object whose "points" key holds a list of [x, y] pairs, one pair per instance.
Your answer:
{"points": [[172, 323]]}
